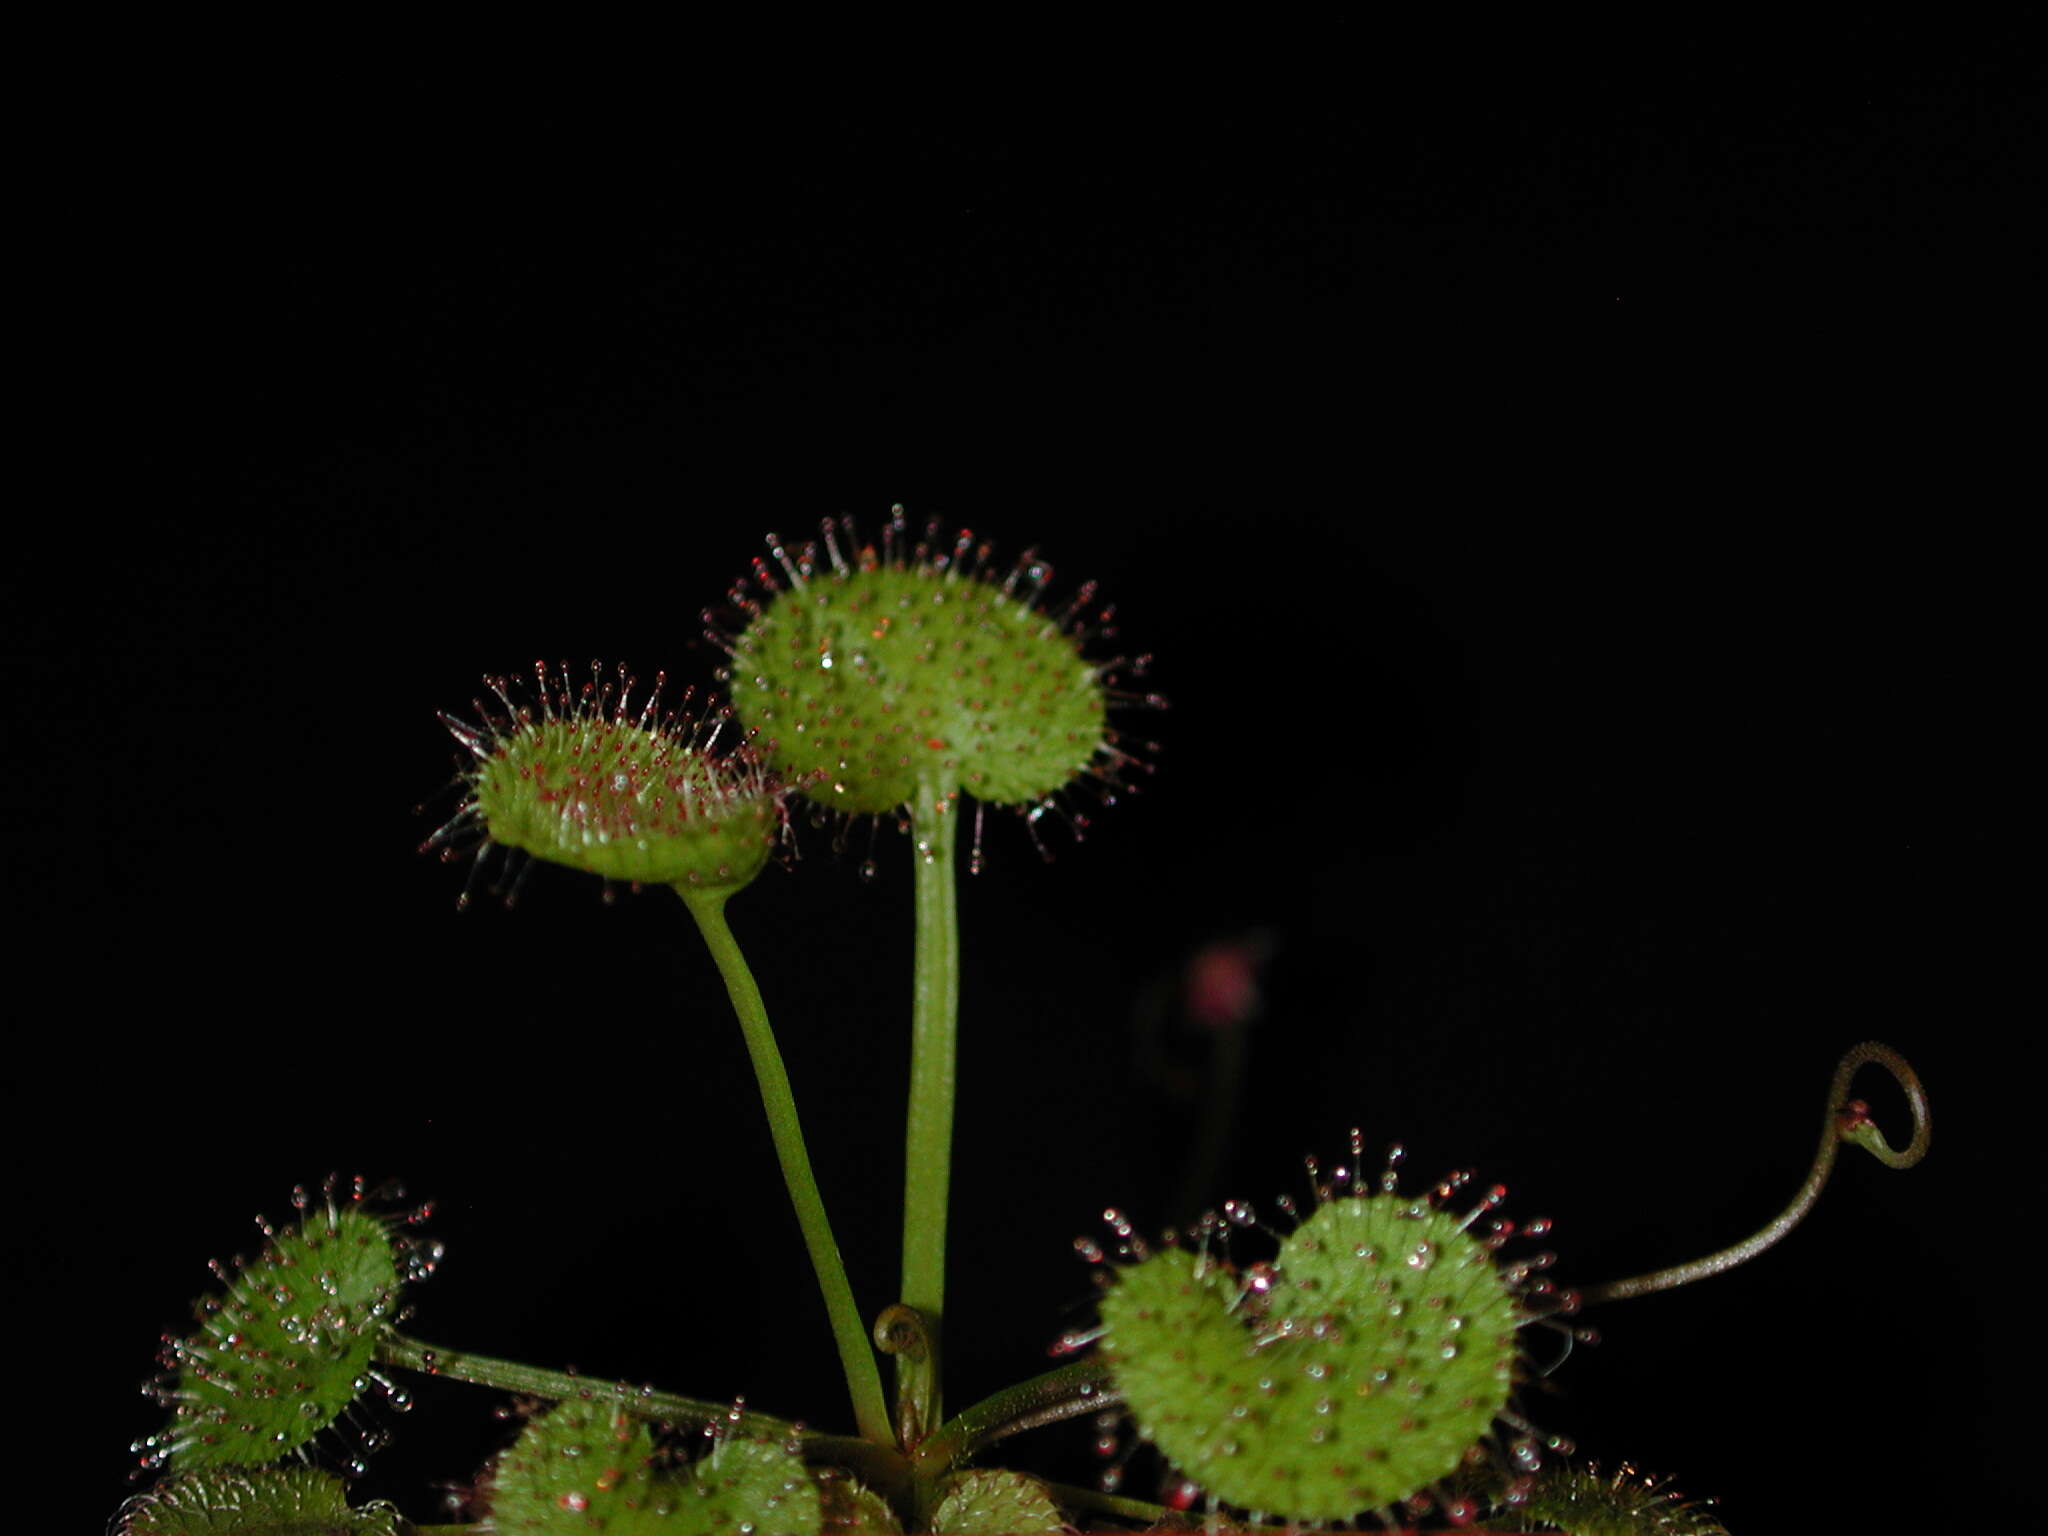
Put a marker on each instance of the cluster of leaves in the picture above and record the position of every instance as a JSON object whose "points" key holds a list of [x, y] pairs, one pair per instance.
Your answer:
{"points": [[1366, 1369]]}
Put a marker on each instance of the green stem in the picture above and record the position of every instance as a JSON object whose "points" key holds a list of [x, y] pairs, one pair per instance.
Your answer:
{"points": [[928, 1142], [1074, 1497], [879, 1464], [1085, 1386], [539, 1381], [856, 1356]]}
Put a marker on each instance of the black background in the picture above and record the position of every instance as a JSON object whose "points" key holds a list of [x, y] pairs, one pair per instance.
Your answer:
{"points": [[1575, 494]]}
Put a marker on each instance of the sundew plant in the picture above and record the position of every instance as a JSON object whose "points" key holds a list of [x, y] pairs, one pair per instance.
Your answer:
{"points": [[1354, 1353]]}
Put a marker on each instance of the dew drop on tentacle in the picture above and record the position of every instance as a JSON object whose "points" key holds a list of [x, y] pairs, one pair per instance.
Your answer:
{"points": [[830, 529], [1319, 1191], [781, 556], [1074, 1340], [1390, 1176], [1488, 1202]]}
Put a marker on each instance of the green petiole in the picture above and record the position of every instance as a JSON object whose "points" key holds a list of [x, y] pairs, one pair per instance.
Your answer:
{"points": [[928, 1140], [856, 1355]]}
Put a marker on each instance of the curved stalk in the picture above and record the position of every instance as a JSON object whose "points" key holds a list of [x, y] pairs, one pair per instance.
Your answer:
{"points": [[1845, 1119], [856, 1357]]}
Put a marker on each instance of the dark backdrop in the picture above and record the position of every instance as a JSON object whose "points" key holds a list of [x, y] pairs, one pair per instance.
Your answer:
{"points": [[1577, 513]]}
